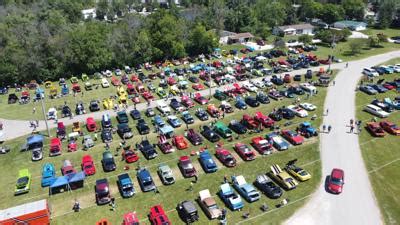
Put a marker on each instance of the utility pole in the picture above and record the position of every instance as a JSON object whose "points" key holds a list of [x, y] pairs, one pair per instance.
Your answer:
{"points": [[44, 115]]}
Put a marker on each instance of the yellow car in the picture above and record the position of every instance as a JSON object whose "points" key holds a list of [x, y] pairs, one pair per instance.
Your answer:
{"points": [[108, 103], [282, 177], [121, 91], [122, 99], [297, 172], [174, 90], [53, 91]]}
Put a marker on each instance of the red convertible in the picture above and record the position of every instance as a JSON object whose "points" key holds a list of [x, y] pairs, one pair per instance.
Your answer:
{"points": [[187, 102], [264, 120], [225, 157], [261, 145], [91, 124], [180, 142], [375, 129], [88, 165], [129, 155], [249, 122], [293, 137], [390, 127], [213, 111], [200, 99], [237, 89], [164, 145], [245, 152]]}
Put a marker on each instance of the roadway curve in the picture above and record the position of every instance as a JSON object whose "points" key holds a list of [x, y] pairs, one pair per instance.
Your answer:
{"points": [[357, 204]]}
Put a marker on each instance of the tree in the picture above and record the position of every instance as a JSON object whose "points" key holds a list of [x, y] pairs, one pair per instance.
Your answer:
{"points": [[201, 41], [374, 41], [332, 13], [354, 9], [333, 36], [276, 12], [310, 9], [386, 13], [306, 39], [102, 9], [356, 45]]}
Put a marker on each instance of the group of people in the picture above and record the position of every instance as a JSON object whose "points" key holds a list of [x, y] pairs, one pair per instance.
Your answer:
{"points": [[354, 124]]}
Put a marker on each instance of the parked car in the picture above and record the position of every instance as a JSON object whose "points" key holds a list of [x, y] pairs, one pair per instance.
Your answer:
{"points": [[87, 142], [268, 187], [125, 185], [244, 152], [48, 174], [390, 127], [336, 181], [222, 130], [252, 101], [209, 134], [174, 121], [147, 149], [165, 174], [368, 90], [187, 211], [379, 88], [67, 168], [293, 137], [383, 105], [225, 157], [108, 162], [122, 117], [201, 114], [308, 106], [375, 129], [277, 141], [129, 155], [158, 121], [102, 191], [194, 137], [180, 142], [209, 205], [262, 98], [376, 111], [207, 162], [163, 108], [275, 95], [187, 118], [135, 114], [94, 105], [88, 166], [106, 136], [176, 105], [237, 127], [297, 172], [263, 119], [24, 181], [261, 145], [240, 103], [142, 127], [157, 216], [307, 130], [298, 111], [230, 198], [186, 166], [200, 99], [145, 180], [246, 190], [150, 112], [282, 177], [124, 131]]}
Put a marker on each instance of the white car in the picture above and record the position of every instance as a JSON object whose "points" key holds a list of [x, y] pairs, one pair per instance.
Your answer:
{"points": [[250, 87], [105, 83], [395, 68], [163, 108], [298, 111], [308, 87], [259, 84], [52, 114], [267, 82], [370, 72], [308, 106], [118, 72], [107, 73]]}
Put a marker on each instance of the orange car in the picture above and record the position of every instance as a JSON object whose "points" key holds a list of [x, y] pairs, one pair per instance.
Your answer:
{"points": [[390, 127], [213, 111]]}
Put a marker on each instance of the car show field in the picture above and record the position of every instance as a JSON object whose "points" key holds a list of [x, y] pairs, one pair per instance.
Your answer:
{"points": [[381, 154]]}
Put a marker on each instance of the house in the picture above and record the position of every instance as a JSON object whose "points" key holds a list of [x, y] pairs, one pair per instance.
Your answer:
{"points": [[351, 25], [89, 13], [295, 29], [224, 36], [240, 38]]}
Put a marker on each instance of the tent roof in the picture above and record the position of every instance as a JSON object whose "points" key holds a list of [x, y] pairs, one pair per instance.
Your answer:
{"points": [[77, 177], [60, 181], [34, 138]]}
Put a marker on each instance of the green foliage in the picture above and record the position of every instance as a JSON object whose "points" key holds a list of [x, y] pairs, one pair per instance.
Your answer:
{"points": [[387, 12], [333, 36], [201, 41], [356, 46], [306, 39], [374, 41], [272, 13], [354, 9], [332, 13]]}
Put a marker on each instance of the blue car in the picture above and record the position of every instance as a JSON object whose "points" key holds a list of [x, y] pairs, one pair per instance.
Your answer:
{"points": [[240, 103], [48, 174], [277, 141], [387, 69], [246, 190], [230, 198], [207, 162], [307, 130], [174, 121], [395, 104], [187, 118], [145, 180], [158, 121], [125, 185]]}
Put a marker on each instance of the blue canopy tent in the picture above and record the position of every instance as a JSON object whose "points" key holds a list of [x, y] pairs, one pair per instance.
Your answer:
{"points": [[34, 141], [76, 180], [60, 185], [167, 130]]}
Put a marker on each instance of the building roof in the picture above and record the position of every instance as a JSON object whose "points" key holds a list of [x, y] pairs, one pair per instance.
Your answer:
{"points": [[301, 26], [23, 209], [351, 23], [240, 36]]}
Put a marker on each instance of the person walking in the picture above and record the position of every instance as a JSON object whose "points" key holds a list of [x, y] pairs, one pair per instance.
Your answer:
{"points": [[327, 112], [323, 128], [351, 128], [76, 206], [33, 110], [347, 64], [333, 82], [351, 122], [225, 179], [329, 129], [113, 205]]}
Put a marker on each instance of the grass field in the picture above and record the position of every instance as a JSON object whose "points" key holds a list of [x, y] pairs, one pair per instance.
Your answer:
{"points": [[382, 156], [169, 196]]}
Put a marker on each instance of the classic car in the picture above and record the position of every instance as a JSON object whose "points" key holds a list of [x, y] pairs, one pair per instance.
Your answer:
{"points": [[383, 105], [157, 216], [368, 89], [298, 111], [336, 181], [282, 177], [158, 121], [207, 162], [187, 102], [263, 119], [180, 142], [261, 145], [145, 180], [275, 95], [88, 166], [48, 174], [237, 127], [209, 134], [266, 186], [220, 95], [176, 105], [87, 142], [240, 103], [222, 130], [308, 106], [187, 117], [230, 198], [246, 190], [262, 98], [24, 181], [165, 174], [286, 113], [390, 127], [249, 122], [147, 149], [187, 211], [129, 155], [225, 157], [194, 137], [55, 147], [213, 111], [124, 131], [200, 99], [135, 114], [102, 191], [251, 101], [122, 117], [375, 129], [94, 105], [250, 87], [226, 107], [201, 114], [174, 121], [277, 141], [244, 152], [209, 205], [106, 136], [67, 168], [142, 127], [163, 108], [164, 145], [186, 167], [307, 130], [293, 137], [297, 172], [108, 162], [125, 185]]}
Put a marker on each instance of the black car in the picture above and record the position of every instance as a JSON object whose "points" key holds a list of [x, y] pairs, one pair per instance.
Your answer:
{"points": [[194, 79], [379, 88], [296, 90], [66, 111], [12, 98], [194, 137], [286, 93], [237, 127], [276, 80], [187, 211], [252, 101], [108, 162], [297, 77], [106, 136], [150, 112], [122, 117], [94, 106], [124, 131], [142, 127], [187, 117], [135, 114], [209, 134], [308, 74], [201, 114], [175, 104], [262, 98], [147, 149], [266, 186], [286, 113], [276, 115]]}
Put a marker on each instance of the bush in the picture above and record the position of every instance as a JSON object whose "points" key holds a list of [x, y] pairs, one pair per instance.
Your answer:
{"points": [[306, 39], [329, 36], [356, 45]]}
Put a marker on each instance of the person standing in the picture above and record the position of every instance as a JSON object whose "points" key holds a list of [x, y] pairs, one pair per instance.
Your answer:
{"points": [[112, 203], [329, 129], [323, 128], [33, 110], [327, 112], [225, 179], [351, 128]]}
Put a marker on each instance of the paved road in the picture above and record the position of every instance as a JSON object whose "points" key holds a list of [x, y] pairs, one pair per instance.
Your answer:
{"points": [[357, 204]]}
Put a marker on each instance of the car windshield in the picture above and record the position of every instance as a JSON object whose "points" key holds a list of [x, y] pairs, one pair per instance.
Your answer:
{"points": [[289, 179], [336, 181], [127, 187], [89, 166], [22, 181], [35, 145], [147, 182]]}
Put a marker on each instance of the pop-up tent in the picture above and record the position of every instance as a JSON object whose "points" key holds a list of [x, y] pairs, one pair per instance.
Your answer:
{"points": [[76, 180], [59, 185], [34, 141]]}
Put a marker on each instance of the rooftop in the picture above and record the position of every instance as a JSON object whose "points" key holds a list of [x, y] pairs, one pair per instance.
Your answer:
{"points": [[240, 36], [23, 209], [297, 26]]}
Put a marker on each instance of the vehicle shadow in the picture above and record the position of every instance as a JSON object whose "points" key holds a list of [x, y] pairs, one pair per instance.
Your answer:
{"points": [[327, 178]]}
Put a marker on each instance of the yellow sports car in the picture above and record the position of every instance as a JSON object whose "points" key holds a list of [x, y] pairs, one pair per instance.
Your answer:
{"points": [[121, 91], [122, 99], [282, 177], [297, 172], [108, 103]]}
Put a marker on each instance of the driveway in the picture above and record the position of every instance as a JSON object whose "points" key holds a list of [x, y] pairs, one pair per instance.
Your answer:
{"points": [[340, 149]]}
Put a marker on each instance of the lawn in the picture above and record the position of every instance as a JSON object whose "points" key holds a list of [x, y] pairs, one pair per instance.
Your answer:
{"points": [[382, 156], [169, 196]]}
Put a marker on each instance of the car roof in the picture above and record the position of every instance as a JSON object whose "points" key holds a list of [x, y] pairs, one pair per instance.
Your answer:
{"points": [[337, 173]]}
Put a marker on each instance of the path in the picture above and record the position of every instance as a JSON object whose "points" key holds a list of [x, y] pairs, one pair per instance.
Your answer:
{"points": [[357, 204]]}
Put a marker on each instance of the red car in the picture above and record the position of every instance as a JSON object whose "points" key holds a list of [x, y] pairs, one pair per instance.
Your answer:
{"points": [[72, 145], [130, 219], [147, 95], [186, 166], [336, 181], [55, 147], [91, 124], [140, 88], [129, 155], [88, 165], [180, 142], [134, 78], [187, 102], [76, 88], [225, 157], [287, 78], [157, 216], [375, 129], [388, 86], [390, 127], [200, 99], [249, 122], [261, 145], [244, 151], [67, 168], [324, 61], [198, 87], [264, 120], [293, 137], [171, 81], [130, 89], [237, 89], [115, 81]]}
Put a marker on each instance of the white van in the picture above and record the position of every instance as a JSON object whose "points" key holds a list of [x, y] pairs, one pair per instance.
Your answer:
{"points": [[375, 110], [370, 72]]}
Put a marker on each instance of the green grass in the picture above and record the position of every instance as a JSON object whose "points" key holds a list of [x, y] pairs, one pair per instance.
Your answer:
{"points": [[390, 32], [382, 156], [307, 154]]}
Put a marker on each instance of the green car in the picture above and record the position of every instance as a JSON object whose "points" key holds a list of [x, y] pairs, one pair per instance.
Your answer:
{"points": [[74, 80], [222, 130], [85, 77], [220, 95], [161, 92], [88, 86], [23, 183]]}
